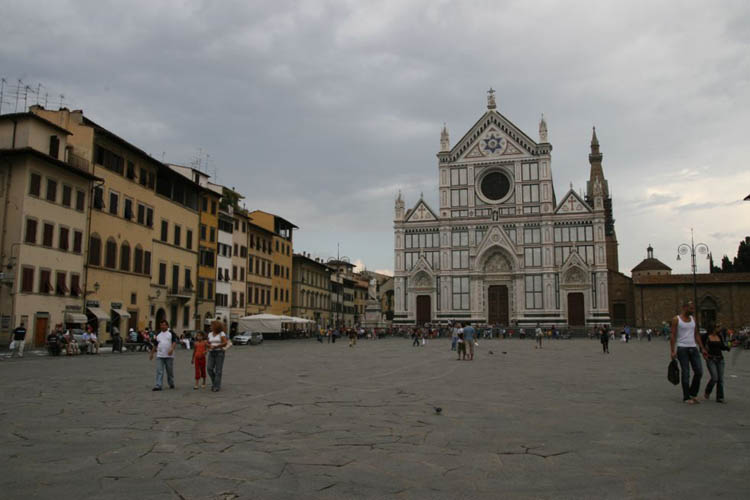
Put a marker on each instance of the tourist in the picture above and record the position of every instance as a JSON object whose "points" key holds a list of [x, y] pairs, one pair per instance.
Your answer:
{"points": [[217, 341], [415, 335], [199, 359], [684, 342], [538, 334], [461, 345], [53, 341], [469, 334], [454, 338], [19, 341], [604, 338], [85, 338], [352, 337], [132, 336], [164, 347], [93, 341], [649, 332], [71, 346], [715, 364]]}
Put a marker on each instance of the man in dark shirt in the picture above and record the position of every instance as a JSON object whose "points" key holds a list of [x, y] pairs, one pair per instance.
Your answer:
{"points": [[19, 337]]}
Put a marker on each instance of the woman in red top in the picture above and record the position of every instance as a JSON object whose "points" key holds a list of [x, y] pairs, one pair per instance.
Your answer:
{"points": [[199, 359]]}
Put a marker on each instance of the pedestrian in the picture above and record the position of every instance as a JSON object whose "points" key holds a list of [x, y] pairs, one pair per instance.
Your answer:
{"points": [[604, 338], [217, 343], [19, 341], [454, 338], [649, 332], [684, 343], [53, 341], [164, 347], [715, 363], [461, 346], [469, 333], [93, 341], [538, 334], [352, 337], [199, 359], [415, 336]]}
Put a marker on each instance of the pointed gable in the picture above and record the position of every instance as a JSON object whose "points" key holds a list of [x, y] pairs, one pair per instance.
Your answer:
{"points": [[572, 204], [494, 237], [421, 213]]}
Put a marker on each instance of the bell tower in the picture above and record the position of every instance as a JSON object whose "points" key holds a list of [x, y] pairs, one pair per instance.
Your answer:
{"points": [[597, 195]]}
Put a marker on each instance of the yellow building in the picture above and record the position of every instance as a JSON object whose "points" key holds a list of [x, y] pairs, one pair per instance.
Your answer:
{"points": [[361, 285], [119, 253], [259, 269], [281, 257], [311, 291], [239, 267], [44, 215]]}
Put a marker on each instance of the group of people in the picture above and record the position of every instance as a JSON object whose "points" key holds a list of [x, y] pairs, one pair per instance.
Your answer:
{"points": [[463, 340]]}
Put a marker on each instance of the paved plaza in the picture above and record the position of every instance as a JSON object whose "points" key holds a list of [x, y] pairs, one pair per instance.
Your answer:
{"points": [[299, 419]]}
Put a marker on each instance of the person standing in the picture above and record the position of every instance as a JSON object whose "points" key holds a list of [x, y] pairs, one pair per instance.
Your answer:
{"points": [[469, 333], [715, 363], [684, 343], [93, 346], [19, 341], [415, 336], [217, 342], [164, 347], [538, 334], [604, 339], [199, 359], [454, 338]]}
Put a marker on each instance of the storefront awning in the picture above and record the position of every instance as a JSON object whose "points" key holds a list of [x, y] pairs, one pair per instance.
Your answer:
{"points": [[99, 313], [121, 313], [76, 318]]}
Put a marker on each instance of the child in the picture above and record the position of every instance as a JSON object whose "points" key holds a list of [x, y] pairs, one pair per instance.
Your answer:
{"points": [[461, 345], [199, 359]]}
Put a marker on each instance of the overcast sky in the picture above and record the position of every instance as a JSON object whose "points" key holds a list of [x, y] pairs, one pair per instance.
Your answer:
{"points": [[321, 111]]}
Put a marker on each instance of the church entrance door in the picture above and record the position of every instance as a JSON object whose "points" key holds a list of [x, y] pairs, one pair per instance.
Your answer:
{"points": [[497, 305], [424, 309], [576, 310]]}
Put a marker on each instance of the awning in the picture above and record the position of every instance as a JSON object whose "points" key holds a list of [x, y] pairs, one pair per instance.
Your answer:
{"points": [[99, 313], [121, 313], [76, 318]]}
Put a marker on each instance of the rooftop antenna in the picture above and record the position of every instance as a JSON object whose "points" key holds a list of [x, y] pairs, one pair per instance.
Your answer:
{"points": [[26, 89], [62, 99], [46, 97], [18, 93], [208, 157], [38, 92], [2, 92]]}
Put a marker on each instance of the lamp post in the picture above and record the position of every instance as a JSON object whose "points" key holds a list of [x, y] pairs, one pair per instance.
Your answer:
{"points": [[693, 248]]}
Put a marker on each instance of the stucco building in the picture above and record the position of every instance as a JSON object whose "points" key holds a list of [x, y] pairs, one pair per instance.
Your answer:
{"points": [[281, 257], [502, 248], [239, 267], [259, 269], [311, 291]]}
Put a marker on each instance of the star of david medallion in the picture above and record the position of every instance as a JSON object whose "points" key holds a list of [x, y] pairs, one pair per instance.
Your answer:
{"points": [[493, 143]]}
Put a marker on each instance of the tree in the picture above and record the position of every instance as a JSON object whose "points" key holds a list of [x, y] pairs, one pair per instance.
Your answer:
{"points": [[740, 264]]}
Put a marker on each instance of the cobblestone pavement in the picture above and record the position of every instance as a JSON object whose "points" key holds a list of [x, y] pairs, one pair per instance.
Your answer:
{"points": [[299, 419]]}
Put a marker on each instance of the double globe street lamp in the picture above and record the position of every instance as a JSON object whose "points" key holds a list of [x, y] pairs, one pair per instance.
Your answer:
{"points": [[693, 249]]}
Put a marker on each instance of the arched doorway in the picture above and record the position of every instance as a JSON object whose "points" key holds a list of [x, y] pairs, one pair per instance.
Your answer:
{"points": [[497, 305], [424, 309], [576, 309]]}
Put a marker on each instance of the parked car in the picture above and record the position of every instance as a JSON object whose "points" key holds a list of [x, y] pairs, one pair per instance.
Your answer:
{"points": [[244, 338]]}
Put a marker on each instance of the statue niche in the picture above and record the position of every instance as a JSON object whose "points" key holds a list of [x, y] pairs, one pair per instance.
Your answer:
{"points": [[497, 263]]}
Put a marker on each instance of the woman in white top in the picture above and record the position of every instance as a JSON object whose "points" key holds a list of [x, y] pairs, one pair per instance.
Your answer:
{"points": [[684, 343], [217, 343]]}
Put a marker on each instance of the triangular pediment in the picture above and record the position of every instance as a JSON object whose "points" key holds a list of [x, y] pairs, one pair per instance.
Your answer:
{"points": [[422, 275], [493, 136], [575, 270], [421, 213], [495, 237], [572, 203]]}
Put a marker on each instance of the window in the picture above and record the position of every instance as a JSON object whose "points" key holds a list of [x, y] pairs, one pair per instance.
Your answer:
{"points": [[433, 258], [242, 274], [128, 209], [460, 238], [130, 172], [67, 195], [201, 286], [133, 298], [277, 245], [108, 159], [286, 295], [164, 230], [532, 257], [141, 218], [77, 241], [593, 290], [186, 316], [460, 293], [64, 239], [80, 200], [175, 277], [203, 232], [138, 260], [173, 314], [45, 281], [242, 299], [125, 257], [146, 262], [204, 204], [143, 177], [189, 239], [95, 250], [460, 259], [149, 217], [479, 235], [213, 207], [458, 176], [98, 197], [531, 171], [162, 273], [459, 197], [30, 231], [236, 249], [51, 190], [54, 146], [35, 183], [532, 235], [75, 285], [587, 253], [213, 235], [47, 233], [209, 289], [27, 279], [110, 254], [234, 299], [177, 235], [275, 294], [561, 255], [531, 193], [567, 234], [188, 279], [60, 286], [250, 264], [114, 198], [534, 292]]}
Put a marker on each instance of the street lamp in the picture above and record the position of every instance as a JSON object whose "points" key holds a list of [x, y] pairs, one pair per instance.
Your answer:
{"points": [[693, 248]]}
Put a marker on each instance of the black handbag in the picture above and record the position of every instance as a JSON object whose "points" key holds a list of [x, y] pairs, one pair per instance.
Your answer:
{"points": [[673, 372]]}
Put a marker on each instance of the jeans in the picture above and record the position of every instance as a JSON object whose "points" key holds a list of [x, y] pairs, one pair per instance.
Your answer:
{"points": [[716, 369], [161, 364], [689, 356], [215, 367]]}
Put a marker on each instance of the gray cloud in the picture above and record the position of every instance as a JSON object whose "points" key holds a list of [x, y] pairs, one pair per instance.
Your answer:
{"points": [[321, 111]]}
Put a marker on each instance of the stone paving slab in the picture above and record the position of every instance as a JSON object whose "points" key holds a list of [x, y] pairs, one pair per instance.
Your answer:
{"points": [[299, 419]]}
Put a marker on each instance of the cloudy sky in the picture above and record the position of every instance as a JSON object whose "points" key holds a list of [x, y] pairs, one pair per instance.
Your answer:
{"points": [[321, 111]]}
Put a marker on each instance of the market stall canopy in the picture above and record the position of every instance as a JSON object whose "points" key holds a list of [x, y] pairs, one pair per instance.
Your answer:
{"points": [[100, 314], [267, 323], [76, 318], [121, 313]]}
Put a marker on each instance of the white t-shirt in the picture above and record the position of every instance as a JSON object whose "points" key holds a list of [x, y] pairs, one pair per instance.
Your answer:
{"points": [[215, 339], [164, 344]]}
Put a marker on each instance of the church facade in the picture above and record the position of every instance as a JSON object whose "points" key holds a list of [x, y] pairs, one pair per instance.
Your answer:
{"points": [[501, 248]]}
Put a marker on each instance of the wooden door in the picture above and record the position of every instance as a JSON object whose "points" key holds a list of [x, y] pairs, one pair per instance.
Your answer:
{"points": [[133, 321], [497, 305], [424, 309], [40, 331], [576, 310]]}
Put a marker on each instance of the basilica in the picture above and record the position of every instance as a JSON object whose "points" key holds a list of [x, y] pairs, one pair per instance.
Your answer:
{"points": [[501, 248]]}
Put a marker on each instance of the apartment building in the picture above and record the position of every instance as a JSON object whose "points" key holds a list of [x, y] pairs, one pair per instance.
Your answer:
{"points": [[311, 290], [239, 267], [281, 257], [259, 269]]}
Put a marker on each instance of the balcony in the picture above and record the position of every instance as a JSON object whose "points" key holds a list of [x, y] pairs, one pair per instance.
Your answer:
{"points": [[182, 294], [78, 162]]}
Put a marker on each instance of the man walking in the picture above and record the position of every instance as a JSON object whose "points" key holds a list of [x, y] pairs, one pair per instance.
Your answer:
{"points": [[469, 333], [684, 342], [164, 347], [19, 339], [538, 334]]}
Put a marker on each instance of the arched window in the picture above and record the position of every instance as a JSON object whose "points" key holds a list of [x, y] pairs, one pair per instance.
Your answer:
{"points": [[95, 250], [110, 254], [125, 256], [138, 260]]}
